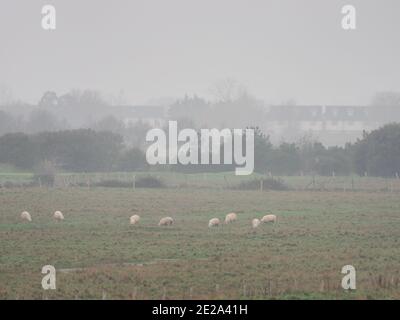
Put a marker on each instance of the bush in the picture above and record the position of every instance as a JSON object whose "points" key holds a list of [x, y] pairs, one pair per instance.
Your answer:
{"points": [[143, 182], [8, 185], [268, 184], [114, 184], [11, 185], [149, 182]]}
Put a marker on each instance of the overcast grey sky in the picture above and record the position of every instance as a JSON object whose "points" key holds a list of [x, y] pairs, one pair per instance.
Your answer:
{"points": [[279, 50]]}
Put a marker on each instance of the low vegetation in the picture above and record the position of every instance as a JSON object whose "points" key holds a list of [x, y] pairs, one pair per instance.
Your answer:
{"points": [[263, 185]]}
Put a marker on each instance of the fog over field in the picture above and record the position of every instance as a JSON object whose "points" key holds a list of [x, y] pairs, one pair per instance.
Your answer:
{"points": [[199, 149]]}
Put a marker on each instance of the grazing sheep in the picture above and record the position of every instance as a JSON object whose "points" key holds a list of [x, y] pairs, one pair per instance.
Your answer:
{"points": [[134, 219], [26, 216], [167, 221], [213, 223], [255, 223], [230, 217], [58, 216], [269, 218]]}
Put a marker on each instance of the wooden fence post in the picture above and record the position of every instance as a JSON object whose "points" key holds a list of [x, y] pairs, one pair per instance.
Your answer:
{"points": [[134, 294], [322, 286]]}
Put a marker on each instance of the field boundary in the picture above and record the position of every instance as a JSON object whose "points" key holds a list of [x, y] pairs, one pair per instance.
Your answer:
{"points": [[225, 181]]}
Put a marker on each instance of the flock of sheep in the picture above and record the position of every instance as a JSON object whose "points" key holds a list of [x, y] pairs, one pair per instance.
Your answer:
{"points": [[231, 217], [167, 221], [26, 216]]}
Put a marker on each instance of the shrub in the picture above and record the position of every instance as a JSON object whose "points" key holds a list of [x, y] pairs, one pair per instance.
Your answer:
{"points": [[268, 184], [149, 182], [142, 182], [114, 184]]}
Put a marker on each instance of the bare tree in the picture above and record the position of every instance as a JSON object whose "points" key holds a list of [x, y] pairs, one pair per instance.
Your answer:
{"points": [[228, 90]]}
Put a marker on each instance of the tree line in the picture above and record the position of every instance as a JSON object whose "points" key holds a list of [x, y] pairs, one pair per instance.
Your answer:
{"points": [[81, 150], [85, 150], [377, 153]]}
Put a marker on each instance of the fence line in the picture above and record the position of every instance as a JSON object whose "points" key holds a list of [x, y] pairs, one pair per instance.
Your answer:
{"points": [[221, 181]]}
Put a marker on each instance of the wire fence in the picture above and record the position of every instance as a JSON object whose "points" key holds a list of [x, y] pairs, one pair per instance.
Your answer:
{"points": [[214, 181]]}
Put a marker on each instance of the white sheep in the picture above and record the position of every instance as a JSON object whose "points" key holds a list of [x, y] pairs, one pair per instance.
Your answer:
{"points": [[134, 219], [58, 216], [214, 223], [255, 223], [26, 216], [230, 217], [167, 221], [269, 218]]}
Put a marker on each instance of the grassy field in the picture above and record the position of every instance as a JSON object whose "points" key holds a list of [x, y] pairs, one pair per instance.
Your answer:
{"points": [[9, 173], [98, 255]]}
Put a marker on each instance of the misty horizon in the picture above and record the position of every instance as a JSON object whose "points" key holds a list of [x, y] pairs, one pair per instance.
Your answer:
{"points": [[150, 52]]}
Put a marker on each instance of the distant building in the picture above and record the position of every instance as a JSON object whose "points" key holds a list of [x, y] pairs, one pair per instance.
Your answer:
{"points": [[332, 125], [155, 116]]}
